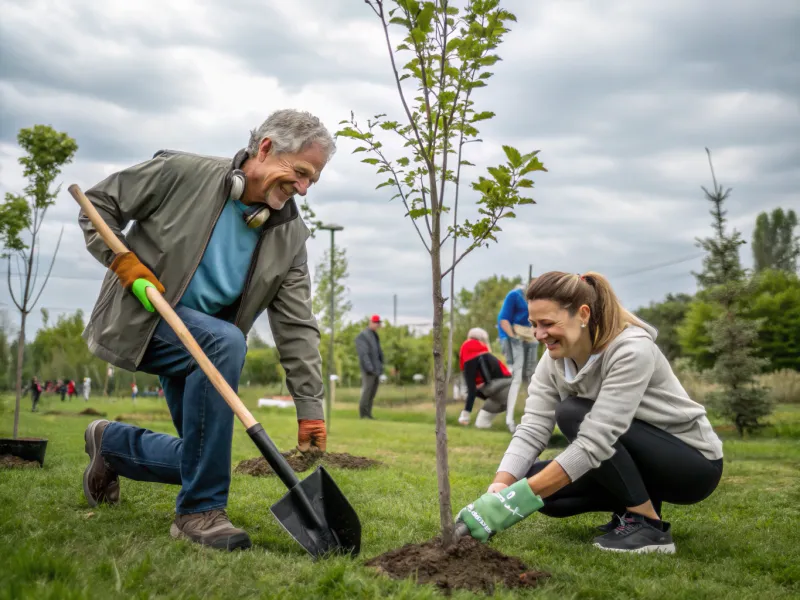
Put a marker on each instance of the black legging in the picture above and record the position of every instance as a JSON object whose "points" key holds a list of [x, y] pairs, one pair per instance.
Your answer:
{"points": [[649, 464]]}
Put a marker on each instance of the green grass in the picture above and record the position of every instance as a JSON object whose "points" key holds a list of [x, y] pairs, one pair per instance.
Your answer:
{"points": [[743, 542]]}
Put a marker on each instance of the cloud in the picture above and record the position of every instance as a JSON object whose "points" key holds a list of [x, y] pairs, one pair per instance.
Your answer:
{"points": [[621, 98]]}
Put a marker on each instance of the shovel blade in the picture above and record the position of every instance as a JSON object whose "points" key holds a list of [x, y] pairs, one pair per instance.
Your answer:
{"points": [[339, 529]]}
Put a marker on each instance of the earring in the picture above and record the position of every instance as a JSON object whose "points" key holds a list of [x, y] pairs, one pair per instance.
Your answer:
{"points": [[583, 325]]}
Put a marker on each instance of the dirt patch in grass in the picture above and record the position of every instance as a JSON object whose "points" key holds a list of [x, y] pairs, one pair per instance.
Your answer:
{"points": [[467, 565], [153, 416], [303, 461], [9, 461], [86, 411]]}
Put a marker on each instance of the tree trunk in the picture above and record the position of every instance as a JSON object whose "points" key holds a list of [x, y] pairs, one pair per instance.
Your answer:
{"points": [[20, 357], [440, 395]]}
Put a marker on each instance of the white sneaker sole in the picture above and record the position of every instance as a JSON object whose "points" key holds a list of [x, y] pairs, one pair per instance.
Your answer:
{"points": [[663, 548]]}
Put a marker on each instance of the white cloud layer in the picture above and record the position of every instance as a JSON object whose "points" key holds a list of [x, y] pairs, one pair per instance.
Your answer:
{"points": [[621, 99]]}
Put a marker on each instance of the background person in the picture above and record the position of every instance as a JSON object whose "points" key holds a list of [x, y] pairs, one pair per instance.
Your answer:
{"points": [[485, 376], [636, 438], [518, 344], [370, 360]]}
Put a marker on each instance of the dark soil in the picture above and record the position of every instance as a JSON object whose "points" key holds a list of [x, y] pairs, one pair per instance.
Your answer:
{"points": [[86, 411], [9, 461], [91, 411], [303, 461], [467, 565], [153, 416]]}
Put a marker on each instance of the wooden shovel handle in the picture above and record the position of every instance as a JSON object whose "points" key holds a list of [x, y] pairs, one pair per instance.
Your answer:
{"points": [[169, 315]]}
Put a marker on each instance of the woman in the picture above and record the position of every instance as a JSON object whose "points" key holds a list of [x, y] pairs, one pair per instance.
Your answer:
{"points": [[636, 438], [485, 376]]}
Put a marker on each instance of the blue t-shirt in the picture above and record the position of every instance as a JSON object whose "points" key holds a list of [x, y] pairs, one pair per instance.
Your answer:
{"points": [[514, 310], [220, 277]]}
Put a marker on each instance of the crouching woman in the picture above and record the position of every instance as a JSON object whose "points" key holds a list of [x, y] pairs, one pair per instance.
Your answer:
{"points": [[636, 439], [485, 376]]}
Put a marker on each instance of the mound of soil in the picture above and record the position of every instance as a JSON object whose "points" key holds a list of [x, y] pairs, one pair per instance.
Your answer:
{"points": [[152, 416], [9, 461], [469, 564], [86, 411], [91, 411], [303, 461]]}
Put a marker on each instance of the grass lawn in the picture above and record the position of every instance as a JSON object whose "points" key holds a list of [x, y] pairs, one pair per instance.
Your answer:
{"points": [[743, 542]]}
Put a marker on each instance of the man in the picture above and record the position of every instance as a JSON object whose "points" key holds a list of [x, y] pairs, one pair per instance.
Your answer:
{"points": [[518, 344], [370, 359], [223, 241]]}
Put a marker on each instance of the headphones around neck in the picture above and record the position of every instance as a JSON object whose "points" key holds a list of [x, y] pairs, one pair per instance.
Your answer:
{"points": [[255, 218]]}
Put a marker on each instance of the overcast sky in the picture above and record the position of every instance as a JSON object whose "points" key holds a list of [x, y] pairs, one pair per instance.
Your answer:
{"points": [[620, 97]]}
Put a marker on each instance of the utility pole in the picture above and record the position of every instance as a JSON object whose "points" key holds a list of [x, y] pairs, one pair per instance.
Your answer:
{"points": [[332, 228], [394, 319], [530, 275]]}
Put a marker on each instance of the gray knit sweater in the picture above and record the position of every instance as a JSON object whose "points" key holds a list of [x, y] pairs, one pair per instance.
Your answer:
{"points": [[630, 379]]}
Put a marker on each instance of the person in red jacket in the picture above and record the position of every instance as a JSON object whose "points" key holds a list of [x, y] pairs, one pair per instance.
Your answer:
{"points": [[485, 376]]}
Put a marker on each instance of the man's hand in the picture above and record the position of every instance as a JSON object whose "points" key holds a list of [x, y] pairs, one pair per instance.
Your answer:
{"points": [[134, 276], [311, 432], [497, 511]]}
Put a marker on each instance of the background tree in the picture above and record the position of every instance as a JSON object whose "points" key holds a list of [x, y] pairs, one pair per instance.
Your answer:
{"points": [[775, 244], [667, 316], [479, 307], [775, 305], [446, 53], [46, 151], [321, 303], [733, 336]]}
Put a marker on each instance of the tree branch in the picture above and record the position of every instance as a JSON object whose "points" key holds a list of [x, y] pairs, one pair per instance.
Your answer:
{"points": [[50, 270], [475, 243], [413, 123], [424, 203], [10, 289]]}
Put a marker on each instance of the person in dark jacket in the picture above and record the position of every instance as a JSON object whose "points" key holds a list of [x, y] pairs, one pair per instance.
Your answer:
{"points": [[370, 359], [485, 376]]}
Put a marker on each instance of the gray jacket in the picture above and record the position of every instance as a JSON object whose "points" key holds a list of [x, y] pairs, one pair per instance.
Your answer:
{"points": [[172, 202], [630, 379], [370, 355]]}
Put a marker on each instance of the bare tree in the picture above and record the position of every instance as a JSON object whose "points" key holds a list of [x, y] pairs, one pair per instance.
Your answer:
{"points": [[21, 216]]}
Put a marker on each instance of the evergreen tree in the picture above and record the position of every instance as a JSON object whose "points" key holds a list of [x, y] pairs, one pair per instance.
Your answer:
{"points": [[733, 337]]}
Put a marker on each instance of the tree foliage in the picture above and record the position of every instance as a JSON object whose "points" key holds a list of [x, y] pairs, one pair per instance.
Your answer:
{"points": [[775, 243], [733, 336], [445, 54], [667, 316], [322, 289]]}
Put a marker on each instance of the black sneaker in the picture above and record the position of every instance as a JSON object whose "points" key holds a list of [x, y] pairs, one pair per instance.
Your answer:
{"points": [[634, 534], [611, 525]]}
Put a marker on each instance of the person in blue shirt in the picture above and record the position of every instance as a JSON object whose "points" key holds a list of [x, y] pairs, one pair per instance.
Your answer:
{"points": [[518, 344]]}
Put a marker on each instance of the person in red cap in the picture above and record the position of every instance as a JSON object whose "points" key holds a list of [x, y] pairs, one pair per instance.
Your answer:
{"points": [[370, 359]]}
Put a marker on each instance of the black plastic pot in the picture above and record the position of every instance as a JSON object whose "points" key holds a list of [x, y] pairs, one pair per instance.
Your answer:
{"points": [[25, 448]]}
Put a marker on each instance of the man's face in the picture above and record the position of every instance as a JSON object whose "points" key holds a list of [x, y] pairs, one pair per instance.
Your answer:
{"points": [[274, 178]]}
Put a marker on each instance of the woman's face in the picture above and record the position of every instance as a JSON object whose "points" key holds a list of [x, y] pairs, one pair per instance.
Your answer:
{"points": [[557, 329]]}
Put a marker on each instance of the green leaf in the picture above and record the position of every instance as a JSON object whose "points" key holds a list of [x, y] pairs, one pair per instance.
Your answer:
{"points": [[513, 155], [416, 213], [370, 161]]}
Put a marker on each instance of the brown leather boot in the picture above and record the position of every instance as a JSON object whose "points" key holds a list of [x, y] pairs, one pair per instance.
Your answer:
{"points": [[210, 528], [100, 482]]}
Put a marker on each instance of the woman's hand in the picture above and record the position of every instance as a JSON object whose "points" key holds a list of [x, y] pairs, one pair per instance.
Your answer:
{"points": [[501, 481]]}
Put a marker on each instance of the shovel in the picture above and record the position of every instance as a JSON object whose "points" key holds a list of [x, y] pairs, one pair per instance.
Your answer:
{"points": [[314, 512]]}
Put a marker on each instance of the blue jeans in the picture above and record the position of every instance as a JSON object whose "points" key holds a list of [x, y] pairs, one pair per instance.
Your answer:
{"points": [[521, 358], [199, 460]]}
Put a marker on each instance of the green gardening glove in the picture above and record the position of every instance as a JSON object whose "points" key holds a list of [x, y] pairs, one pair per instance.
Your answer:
{"points": [[492, 513], [139, 289]]}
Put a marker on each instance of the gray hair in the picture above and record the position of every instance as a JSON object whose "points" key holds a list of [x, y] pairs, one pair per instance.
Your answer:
{"points": [[476, 333], [292, 131]]}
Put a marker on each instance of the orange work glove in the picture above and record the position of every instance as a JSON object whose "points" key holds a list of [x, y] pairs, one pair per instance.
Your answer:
{"points": [[311, 432], [129, 268]]}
